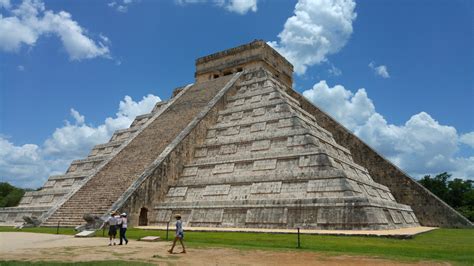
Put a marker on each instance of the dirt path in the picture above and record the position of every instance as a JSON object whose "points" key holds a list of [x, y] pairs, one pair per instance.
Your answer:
{"points": [[46, 247]]}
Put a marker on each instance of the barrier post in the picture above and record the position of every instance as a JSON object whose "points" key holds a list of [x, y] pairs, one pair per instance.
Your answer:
{"points": [[299, 243]]}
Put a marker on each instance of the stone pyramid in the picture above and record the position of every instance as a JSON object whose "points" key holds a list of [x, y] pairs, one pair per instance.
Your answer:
{"points": [[239, 148], [265, 162]]}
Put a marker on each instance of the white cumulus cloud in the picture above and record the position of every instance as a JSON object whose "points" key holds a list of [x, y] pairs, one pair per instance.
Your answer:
{"points": [[5, 4], [419, 146], [30, 20], [317, 29], [29, 165], [468, 139], [380, 70], [237, 6], [121, 6]]}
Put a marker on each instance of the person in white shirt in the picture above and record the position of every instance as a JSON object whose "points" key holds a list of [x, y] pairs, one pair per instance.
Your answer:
{"points": [[123, 228], [112, 222]]}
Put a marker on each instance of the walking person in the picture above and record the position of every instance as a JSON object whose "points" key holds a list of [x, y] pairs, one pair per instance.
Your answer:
{"points": [[179, 234], [123, 228], [112, 222]]}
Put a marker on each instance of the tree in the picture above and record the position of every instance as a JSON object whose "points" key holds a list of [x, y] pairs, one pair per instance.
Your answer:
{"points": [[458, 193], [438, 185], [10, 196]]}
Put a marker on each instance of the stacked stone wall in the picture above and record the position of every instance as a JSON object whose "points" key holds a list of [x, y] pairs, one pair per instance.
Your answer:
{"points": [[430, 210]]}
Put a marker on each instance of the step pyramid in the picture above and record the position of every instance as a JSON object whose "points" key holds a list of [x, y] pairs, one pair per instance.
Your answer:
{"points": [[266, 162], [239, 148]]}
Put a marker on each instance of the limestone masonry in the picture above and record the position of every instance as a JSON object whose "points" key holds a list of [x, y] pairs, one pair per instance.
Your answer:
{"points": [[239, 148]]}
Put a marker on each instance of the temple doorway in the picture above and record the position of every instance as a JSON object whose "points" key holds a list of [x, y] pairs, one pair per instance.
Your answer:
{"points": [[143, 218]]}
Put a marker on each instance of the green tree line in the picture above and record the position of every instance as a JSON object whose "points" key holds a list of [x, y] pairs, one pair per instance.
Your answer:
{"points": [[9, 195], [458, 193]]}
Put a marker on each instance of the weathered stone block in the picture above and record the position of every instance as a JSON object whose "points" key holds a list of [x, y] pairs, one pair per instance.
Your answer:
{"points": [[236, 116], [297, 140], [3, 217], [264, 165], [177, 192], [163, 216], [314, 160], [239, 101], [49, 183], [267, 216], [67, 182], [232, 131], [223, 168], [207, 215], [200, 153], [371, 191], [414, 217], [396, 216], [228, 149], [258, 127], [46, 198], [266, 188], [407, 217], [259, 145], [212, 133], [286, 122], [331, 215], [382, 194], [258, 111], [302, 217], [256, 98], [26, 200], [190, 171], [216, 190], [234, 217], [328, 185]]}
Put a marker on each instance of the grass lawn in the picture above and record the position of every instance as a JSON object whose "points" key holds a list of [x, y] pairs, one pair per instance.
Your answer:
{"points": [[453, 245]]}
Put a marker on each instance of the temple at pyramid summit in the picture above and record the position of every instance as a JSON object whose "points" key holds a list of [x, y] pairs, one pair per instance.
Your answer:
{"points": [[239, 148]]}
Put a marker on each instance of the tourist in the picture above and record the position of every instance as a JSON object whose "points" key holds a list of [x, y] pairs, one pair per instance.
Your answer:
{"points": [[123, 228], [112, 222], [179, 234]]}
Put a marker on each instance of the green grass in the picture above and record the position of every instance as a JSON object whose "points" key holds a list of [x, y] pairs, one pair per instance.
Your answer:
{"points": [[453, 245]]}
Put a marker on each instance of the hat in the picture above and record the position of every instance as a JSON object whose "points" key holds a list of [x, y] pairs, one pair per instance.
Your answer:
{"points": [[177, 216], [123, 214]]}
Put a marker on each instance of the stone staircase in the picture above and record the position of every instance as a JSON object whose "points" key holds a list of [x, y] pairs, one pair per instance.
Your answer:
{"points": [[113, 179], [58, 188]]}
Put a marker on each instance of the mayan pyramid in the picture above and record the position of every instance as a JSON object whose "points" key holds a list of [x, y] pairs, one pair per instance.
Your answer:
{"points": [[238, 148]]}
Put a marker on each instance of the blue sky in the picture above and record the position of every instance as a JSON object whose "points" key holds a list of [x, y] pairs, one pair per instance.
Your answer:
{"points": [[397, 73]]}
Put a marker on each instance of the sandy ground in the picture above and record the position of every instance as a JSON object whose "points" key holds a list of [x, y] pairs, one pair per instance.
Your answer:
{"points": [[47, 247]]}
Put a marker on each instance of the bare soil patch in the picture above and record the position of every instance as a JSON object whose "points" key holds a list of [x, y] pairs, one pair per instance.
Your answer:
{"points": [[46, 247]]}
